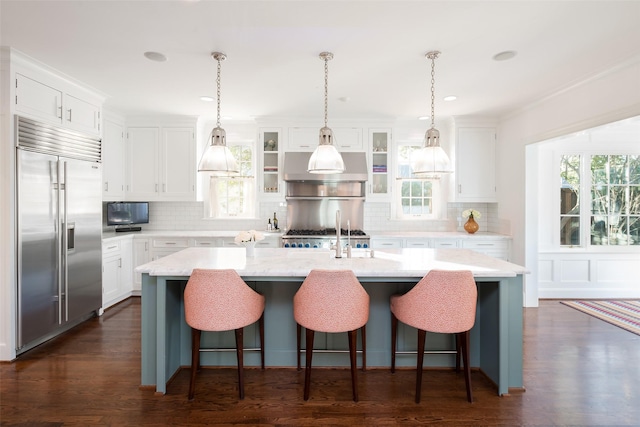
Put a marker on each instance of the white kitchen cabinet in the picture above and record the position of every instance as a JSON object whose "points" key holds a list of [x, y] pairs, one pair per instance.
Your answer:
{"points": [[205, 242], [445, 243], [307, 138], [495, 248], [161, 163], [378, 150], [270, 141], [80, 114], [386, 242], [113, 160], [116, 272], [475, 164], [141, 255], [161, 246], [417, 242], [50, 103]]}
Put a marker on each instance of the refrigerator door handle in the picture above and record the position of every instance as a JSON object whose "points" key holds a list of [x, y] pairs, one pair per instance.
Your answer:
{"points": [[65, 271]]}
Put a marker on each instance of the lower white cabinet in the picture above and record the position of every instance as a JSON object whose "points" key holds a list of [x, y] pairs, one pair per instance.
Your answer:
{"points": [[445, 243], [141, 255], [417, 243], [117, 272], [386, 242], [495, 248]]}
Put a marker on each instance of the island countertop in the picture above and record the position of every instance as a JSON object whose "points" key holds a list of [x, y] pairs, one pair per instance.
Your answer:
{"points": [[297, 263]]}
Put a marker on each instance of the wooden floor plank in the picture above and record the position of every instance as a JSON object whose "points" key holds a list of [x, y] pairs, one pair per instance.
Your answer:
{"points": [[577, 371]]}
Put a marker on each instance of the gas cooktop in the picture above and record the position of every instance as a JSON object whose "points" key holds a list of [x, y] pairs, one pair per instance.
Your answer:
{"points": [[329, 232]]}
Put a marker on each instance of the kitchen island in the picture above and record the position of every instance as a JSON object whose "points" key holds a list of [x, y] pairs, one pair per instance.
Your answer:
{"points": [[496, 339]]}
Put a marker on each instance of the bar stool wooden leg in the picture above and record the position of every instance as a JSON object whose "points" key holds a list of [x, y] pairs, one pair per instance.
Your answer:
{"points": [[353, 337], [307, 369], [464, 338], [195, 360], [458, 352], [261, 325], [363, 333], [394, 333], [298, 339], [240, 357], [421, 338]]}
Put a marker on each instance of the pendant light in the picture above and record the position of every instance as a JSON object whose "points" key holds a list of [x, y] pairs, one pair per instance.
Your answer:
{"points": [[326, 159], [431, 160], [217, 158]]}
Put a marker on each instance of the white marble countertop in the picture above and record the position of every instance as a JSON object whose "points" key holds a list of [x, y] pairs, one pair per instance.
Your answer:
{"points": [[293, 263], [438, 235], [112, 235]]}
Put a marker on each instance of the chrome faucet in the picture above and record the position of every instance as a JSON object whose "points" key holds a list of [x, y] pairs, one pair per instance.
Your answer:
{"points": [[338, 245], [348, 239]]}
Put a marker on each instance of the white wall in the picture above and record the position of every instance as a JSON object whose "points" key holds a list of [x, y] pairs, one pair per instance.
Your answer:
{"points": [[608, 97]]}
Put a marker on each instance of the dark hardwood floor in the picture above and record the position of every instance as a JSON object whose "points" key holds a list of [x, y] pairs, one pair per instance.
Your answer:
{"points": [[577, 371]]}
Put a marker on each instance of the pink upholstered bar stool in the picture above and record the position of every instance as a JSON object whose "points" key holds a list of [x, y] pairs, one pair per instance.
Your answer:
{"points": [[331, 301], [443, 302], [219, 300]]}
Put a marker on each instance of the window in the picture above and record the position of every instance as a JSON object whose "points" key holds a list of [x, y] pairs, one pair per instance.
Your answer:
{"points": [[604, 204], [233, 197], [570, 200], [415, 196]]}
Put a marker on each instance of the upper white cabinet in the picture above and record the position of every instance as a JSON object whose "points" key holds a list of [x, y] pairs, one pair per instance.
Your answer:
{"points": [[113, 160], [50, 103], [270, 142], [378, 162], [307, 138], [475, 164], [161, 162]]}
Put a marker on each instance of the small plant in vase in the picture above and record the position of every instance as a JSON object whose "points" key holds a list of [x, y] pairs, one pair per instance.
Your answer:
{"points": [[248, 239], [471, 226]]}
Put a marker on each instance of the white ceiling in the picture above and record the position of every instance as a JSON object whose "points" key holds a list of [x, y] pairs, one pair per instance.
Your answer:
{"points": [[273, 68]]}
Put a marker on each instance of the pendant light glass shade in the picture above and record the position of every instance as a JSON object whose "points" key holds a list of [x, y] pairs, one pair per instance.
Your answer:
{"points": [[217, 158], [326, 159], [431, 160]]}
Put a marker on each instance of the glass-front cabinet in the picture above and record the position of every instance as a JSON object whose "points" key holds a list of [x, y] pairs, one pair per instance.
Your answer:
{"points": [[271, 161], [379, 147]]}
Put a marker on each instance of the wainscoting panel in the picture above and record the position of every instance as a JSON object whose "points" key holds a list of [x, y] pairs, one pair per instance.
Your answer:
{"points": [[588, 275]]}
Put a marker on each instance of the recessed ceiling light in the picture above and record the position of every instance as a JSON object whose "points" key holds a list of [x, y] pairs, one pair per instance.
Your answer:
{"points": [[423, 118], [207, 98], [503, 56], [155, 56], [450, 98]]}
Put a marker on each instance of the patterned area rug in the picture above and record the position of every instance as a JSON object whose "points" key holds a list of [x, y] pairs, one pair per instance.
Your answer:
{"points": [[624, 313]]}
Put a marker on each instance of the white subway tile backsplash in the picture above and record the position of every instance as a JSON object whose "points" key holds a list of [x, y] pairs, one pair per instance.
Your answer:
{"points": [[377, 217]]}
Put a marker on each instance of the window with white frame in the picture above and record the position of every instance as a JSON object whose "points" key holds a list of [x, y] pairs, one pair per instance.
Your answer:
{"points": [[416, 198], [602, 208], [234, 196]]}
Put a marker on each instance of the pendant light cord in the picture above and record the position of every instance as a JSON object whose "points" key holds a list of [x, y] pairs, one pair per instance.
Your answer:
{"points": [[326, 89], [433, 90], [218, 92]]}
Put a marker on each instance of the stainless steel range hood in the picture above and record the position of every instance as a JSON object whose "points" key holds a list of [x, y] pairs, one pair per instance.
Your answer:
{"points": [[295, 168]]}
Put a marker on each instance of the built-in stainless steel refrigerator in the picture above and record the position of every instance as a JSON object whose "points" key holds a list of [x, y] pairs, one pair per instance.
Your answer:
{"points": [[59, 216]]}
